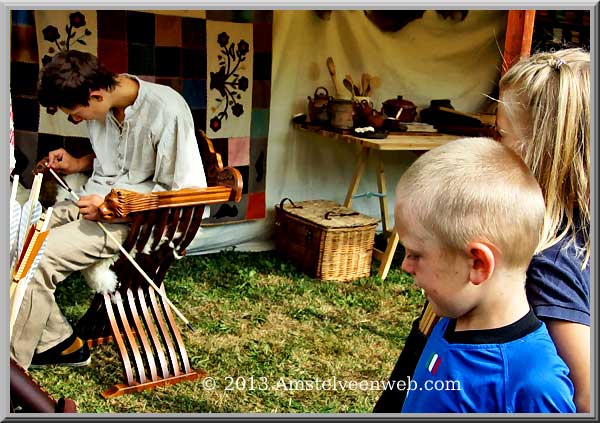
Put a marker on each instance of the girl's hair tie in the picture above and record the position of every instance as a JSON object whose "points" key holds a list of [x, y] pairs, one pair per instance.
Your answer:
{"points": [[559, 62]]}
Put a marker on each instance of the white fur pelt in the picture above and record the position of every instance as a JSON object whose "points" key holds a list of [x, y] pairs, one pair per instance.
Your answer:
{"points": [[99, 277]]}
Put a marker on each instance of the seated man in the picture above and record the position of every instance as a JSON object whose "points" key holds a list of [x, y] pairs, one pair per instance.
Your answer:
{"points": [[470, 216], [143, 139]]}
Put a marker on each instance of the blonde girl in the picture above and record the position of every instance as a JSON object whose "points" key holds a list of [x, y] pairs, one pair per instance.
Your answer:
{"points": [[544, 114]]}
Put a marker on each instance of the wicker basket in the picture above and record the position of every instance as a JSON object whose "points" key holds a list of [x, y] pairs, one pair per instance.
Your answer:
{"points": [[324, 239]]}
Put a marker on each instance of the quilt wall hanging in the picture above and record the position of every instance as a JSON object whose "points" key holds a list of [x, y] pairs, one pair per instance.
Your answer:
{"points": [[220, 61]]}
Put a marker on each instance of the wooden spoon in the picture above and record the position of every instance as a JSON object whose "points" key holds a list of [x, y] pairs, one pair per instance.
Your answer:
{"points": [[368, 89], [355, 90], [364, 82], [349, 86], [331, 68], [374, 82]]}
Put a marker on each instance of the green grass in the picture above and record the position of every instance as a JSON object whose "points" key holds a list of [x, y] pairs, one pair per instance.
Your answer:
{"points": [[258, 320]]}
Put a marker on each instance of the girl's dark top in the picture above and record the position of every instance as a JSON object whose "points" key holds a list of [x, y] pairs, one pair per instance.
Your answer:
{"points": [[557, 287]]}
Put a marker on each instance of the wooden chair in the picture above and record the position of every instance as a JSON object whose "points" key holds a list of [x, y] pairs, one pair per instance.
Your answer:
{"points": [[135, 317], [26, 396]]}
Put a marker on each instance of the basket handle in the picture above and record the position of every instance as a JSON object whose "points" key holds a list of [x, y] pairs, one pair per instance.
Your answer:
{"points": [[340, 214], [290, 200]]}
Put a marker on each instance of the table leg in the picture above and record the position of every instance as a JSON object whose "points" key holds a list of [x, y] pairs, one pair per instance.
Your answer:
{"points": [[358, 171], [386, 260], [392, 241], [382, 190]]}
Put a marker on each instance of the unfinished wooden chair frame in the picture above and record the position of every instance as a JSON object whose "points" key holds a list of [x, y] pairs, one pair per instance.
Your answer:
{"points": [[135, 317]]}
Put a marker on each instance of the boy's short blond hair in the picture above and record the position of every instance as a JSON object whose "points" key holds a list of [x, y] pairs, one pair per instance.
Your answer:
{"points": [[474, 189]]}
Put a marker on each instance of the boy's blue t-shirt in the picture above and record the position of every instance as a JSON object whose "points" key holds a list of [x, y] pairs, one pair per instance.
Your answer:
{"points": [[514, 369]]}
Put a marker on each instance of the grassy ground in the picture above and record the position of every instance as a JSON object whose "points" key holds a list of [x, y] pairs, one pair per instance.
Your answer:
{"points": [[258, 322]]}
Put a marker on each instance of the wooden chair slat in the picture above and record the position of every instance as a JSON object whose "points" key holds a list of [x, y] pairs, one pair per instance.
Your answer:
{"points": [[165, 265], [175, 213], [139, 327], [175, 332], [184, 225], [127, 369], [153, 333], [130, 337], [146, 231], [196, 220], [159, 229], [133, 234], [164, 331]]}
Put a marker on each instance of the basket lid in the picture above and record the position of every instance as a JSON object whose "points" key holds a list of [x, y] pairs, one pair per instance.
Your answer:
{"points": [[328, 214]]}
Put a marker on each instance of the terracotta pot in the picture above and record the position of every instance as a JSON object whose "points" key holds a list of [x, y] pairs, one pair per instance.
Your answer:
{"points": [[376, 119], [362, 111], [392, 106]]}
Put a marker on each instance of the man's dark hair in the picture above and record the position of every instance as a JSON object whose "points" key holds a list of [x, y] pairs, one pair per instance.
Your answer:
{"points": [[68, 79]]}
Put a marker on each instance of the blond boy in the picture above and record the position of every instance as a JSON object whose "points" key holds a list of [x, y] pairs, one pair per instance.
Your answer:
{"points": [[469, 215]]}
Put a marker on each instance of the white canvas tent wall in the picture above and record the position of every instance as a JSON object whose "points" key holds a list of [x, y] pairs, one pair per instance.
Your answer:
{"points": [[430, 58]]}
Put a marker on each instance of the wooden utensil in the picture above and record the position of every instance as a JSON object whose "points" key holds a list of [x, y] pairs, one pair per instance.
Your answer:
{"points": [[374, 83], [368, 89], [364, 83], [349, 86], [331, 68], [355, 87]]}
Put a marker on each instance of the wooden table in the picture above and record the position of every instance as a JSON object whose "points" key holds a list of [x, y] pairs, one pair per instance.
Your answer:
{"points": [[402, 141]]}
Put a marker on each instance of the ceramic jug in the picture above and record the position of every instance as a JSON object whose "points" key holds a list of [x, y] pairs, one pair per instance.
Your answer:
{"points": [[318, 107]]}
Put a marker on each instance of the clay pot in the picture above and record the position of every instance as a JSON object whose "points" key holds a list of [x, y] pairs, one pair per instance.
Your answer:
{"points": [[376, 119], [392, 106], [342, 112], [362, 111], [318, 107]]}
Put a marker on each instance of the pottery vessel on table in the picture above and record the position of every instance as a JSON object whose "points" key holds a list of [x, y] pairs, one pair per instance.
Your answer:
{"points": [[392, 106]]}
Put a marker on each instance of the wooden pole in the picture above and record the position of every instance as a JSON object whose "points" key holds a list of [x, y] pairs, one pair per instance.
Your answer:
{"points": [[519, 35]]}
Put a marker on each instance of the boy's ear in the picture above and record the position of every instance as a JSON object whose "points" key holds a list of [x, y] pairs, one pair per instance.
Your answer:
{"points": [[482, 262], [96, 95]]}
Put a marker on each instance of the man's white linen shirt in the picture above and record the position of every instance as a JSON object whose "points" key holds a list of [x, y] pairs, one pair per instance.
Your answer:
{"points": [[155, 149]]}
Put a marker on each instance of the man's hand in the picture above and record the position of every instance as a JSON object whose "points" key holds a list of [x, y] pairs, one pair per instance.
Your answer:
{"points": [[66, 164], [88, 206]]}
